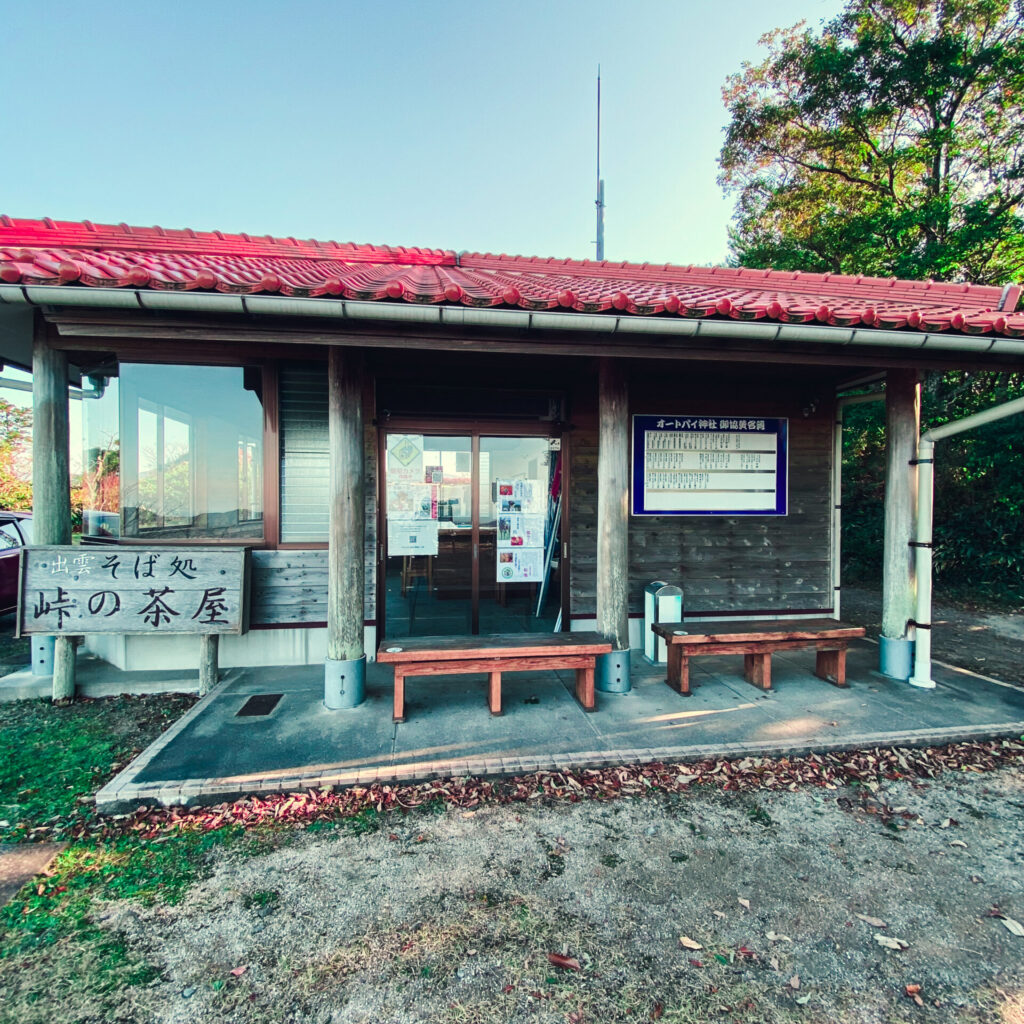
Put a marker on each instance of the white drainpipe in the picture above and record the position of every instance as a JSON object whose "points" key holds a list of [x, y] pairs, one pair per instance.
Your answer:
{"points": [[922, 676], [837, 487]]}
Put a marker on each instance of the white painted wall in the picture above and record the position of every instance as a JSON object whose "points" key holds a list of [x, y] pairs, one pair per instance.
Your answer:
{"points": [[257, 648]]}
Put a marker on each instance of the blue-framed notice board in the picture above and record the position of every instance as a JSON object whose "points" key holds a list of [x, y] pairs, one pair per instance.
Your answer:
{"points": [[709, 466]]}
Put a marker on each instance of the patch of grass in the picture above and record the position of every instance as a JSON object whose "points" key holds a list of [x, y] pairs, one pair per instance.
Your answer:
{"points": [[148, 870], [364, 822], [55, 758], [50, 941], [758, 815], [678, 857], [259, 898], [610, 860]]}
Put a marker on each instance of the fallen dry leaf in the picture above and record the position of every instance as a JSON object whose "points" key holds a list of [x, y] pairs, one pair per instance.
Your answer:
{"points": [[890, 942], [914, 991], [958, 842], [743, 903], [875, 922], [776, 937], [567, 963], [803, 1000], [239, 971], [688, 943], [794, 982], [718, 913], [657, 1010], [1013, 926]]}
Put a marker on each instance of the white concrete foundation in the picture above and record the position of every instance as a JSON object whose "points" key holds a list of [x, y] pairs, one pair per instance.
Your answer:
{"points": [[254, 649]]}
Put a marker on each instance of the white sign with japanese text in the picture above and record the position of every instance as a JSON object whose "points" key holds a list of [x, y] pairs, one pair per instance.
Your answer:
{"points": [[106, 589]]}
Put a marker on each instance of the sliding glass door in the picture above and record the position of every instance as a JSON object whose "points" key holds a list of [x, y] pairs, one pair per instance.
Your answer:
{"points": [[471, 534]]}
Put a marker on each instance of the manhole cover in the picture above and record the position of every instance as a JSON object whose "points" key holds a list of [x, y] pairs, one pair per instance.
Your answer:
{"points": [[259, 704]]}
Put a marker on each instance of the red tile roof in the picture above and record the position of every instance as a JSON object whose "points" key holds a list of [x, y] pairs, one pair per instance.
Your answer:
{"points": [[47, 252]]}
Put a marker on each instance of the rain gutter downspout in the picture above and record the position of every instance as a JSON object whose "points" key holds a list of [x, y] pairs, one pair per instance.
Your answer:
{"points": [[837, 487], [922, 676]]}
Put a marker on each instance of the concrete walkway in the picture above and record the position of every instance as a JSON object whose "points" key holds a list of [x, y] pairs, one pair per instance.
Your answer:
{"points": [[212, 755]]}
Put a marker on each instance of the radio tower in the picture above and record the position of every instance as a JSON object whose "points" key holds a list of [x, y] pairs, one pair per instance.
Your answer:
{"points": [[599, 202]]}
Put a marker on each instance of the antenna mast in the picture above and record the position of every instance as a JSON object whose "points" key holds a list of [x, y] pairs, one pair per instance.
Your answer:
{"points": [[599, 202]]}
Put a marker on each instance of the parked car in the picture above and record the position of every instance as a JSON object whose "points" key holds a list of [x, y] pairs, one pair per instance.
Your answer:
{"points": [[15, 533]]}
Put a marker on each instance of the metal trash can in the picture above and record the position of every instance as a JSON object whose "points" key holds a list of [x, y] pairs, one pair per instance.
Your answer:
{"points": [[663, 602]]}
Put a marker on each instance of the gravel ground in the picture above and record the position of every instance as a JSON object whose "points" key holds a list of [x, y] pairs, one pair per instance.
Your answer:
{"points": [[980, 639], [450, 917]]}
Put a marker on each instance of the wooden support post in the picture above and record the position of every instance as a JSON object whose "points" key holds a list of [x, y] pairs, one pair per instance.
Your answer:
{"points": [[831, 666], [757, 669], [209, 669], [51, 482], [613, 504], [585, 686], [345, 580], [494, 692], [399, 708], [902, 424]]}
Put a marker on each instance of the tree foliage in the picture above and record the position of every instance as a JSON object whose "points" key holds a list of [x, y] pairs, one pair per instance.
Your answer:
{"points": [[15, 441], [979, 488], [890, 143]]}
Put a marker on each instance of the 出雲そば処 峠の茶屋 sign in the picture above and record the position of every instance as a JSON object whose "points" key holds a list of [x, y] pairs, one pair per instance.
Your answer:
{"points": [[72, 590]]}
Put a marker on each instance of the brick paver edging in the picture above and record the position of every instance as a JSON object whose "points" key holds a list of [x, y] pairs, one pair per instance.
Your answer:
{"points": [[122, 794]]}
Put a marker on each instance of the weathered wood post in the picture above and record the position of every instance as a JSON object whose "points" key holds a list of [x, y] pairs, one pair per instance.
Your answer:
{"points": [[612, 670], [345, 668], [209, 668], [51, 481], [902, 426]]}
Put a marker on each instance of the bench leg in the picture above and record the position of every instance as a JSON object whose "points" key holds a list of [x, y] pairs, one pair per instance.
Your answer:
{"points": [[494, 692], [585, 687], [757, 669], [399, 714], [678, 674], [831, 666]]}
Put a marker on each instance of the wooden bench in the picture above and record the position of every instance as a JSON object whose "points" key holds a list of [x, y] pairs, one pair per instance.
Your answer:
{"points": [[494, 654], [756, 641]]}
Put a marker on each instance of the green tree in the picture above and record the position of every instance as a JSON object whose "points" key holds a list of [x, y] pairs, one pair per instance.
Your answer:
{"points": [[15, 440], [890, 143]]}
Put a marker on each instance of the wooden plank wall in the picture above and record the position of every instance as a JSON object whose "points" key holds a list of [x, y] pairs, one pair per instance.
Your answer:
{"points": [[743, 564], [289, 586]]}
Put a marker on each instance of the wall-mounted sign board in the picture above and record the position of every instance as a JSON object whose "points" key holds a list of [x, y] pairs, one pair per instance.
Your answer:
{"points": [[74, 590], [709, 466]]}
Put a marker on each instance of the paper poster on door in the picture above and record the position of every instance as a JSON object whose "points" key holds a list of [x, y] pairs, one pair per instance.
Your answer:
{"points": [[409, 500], [405, 456], [521, 565], [412, 536], [520, 496], [520, 531]]}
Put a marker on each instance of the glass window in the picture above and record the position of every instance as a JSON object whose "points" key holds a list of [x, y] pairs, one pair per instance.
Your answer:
{"points": [[9, 537], [175, 452]]}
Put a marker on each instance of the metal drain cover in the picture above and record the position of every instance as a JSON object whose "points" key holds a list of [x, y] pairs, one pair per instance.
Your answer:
{"points": [[259, 704]]}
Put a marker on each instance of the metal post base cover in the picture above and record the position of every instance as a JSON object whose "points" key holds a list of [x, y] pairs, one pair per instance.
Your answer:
{"points": [[344, 683], [42, 655], [895, 657], [611, 672]]}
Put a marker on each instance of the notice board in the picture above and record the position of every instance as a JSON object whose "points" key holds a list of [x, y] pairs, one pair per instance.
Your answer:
{"points": [[94, 589], [709, 466]]}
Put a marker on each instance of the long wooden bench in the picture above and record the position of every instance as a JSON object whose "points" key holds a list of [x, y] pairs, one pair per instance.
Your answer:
{"points": [[757, 641], [494, 654]]}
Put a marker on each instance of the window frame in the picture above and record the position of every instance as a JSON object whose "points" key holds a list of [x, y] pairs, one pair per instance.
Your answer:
{"points": [[267, 538]]}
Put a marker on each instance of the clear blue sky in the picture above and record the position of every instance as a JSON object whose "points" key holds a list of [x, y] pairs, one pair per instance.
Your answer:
{"points": [[455, 125]]}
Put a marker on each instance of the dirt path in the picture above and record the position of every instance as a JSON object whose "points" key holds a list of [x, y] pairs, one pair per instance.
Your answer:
{"points": [[450, 917], [981, 640]]}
